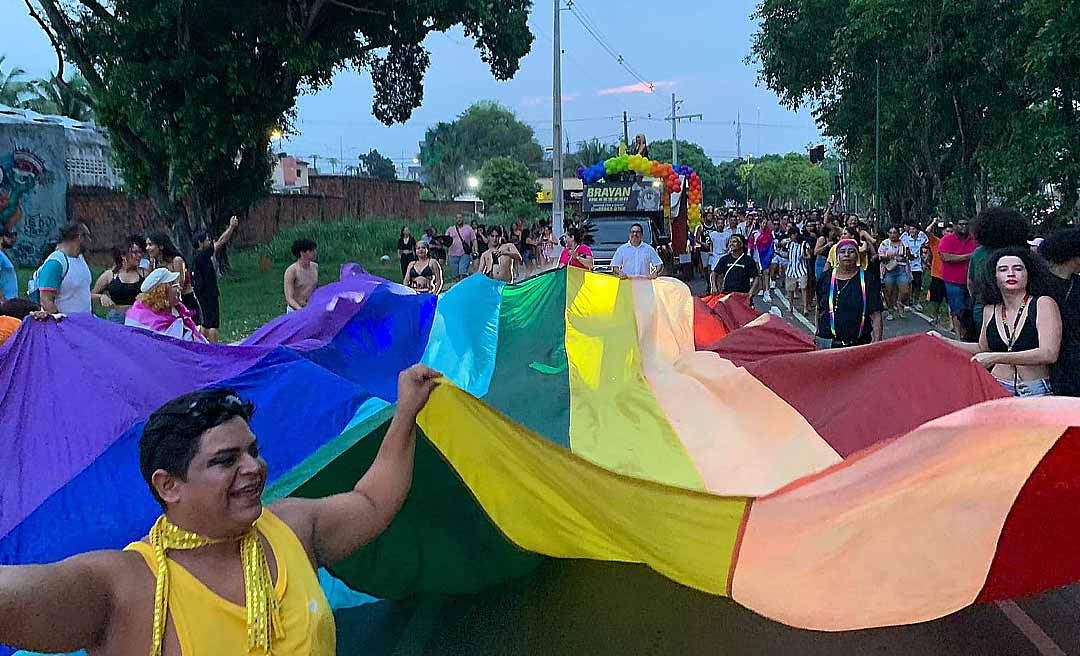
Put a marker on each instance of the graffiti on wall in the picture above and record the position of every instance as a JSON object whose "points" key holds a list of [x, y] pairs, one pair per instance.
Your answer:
{"points": [[20, 174]]}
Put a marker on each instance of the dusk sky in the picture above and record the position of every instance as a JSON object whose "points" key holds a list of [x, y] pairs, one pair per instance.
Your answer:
{"points": [[699, 55]]}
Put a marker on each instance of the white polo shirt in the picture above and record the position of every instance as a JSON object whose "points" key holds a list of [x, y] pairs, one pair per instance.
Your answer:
{"points": [[635, 261]]}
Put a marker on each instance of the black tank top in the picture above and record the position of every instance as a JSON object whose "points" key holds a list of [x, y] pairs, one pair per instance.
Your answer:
{"points": [[123, 293], [1026, 340]]}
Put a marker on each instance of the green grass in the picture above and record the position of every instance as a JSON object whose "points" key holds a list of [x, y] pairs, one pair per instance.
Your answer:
{"points": [[250, 297]]}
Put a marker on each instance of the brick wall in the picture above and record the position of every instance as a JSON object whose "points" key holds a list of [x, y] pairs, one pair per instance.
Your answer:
{"points": [[442, 208], [366, 197], [112, 215]]}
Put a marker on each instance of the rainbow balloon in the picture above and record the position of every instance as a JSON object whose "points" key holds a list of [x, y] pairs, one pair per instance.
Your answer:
{"points": [[583, 417]]}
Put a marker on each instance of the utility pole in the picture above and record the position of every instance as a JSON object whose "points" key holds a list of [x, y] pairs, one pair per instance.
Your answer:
{"points": [[877, 145], [675, 118], [625, 129], [558, 209], [738, 136]]}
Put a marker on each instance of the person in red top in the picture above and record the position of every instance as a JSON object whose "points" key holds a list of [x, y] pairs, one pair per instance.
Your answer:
{"points": [[576, 253], [955, 251]]}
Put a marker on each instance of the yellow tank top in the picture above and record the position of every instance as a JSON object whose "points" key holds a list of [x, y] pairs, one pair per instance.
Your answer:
{"points": [[207, 624]]}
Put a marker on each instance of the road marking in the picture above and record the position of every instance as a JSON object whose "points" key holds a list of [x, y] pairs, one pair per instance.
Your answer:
{"points": [[798, 315], [1032, 631]]}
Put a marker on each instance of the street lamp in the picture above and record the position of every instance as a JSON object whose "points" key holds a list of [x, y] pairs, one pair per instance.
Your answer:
{"points": [[472, 182]]}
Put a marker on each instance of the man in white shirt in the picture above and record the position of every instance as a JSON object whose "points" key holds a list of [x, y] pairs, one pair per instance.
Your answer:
{"points": [[915, 239], [62, 283], [636, 259]]}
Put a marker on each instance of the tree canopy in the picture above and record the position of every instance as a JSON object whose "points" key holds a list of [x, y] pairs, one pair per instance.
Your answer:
{"points": [[191, 91], [507, 186], [452, 151], [978, 98], [375, 165]]}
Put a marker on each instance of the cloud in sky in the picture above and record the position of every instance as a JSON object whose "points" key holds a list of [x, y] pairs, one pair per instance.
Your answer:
{"points": [[536, 101], [640, 87]]}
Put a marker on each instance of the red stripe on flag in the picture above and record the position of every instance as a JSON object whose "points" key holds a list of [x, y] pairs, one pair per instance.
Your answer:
{"points": [[1039, 547]]}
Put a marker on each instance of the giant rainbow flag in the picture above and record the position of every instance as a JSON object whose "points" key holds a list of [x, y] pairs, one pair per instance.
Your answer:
{"points": [[583, 417]]}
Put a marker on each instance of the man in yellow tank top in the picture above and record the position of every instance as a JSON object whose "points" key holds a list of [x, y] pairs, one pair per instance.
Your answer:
{"points": [[218, 573]]}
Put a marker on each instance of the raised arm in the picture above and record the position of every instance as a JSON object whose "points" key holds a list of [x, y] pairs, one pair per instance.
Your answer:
{"points": [[335, 527], [227, 235], [58, 608]]}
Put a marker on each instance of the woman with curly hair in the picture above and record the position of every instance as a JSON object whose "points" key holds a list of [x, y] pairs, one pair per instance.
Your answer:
{"points": [[165, 254], [1021, 329], [158, 308], [994, 228]]}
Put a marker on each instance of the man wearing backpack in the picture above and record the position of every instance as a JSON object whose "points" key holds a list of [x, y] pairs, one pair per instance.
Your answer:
{"points": [[62, 283]]}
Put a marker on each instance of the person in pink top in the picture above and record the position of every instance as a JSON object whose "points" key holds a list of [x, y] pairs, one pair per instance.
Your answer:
{"points": [[576, 254], [955, 251], [462, 247]]}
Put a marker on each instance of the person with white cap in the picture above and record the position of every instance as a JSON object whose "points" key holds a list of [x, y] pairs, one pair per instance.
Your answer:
{"points": [[158, 308]]}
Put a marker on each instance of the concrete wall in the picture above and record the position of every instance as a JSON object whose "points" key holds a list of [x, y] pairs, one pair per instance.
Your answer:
{"points": [[33, 186]]}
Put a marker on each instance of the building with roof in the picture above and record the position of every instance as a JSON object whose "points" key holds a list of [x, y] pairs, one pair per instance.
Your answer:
{"points": [[41, 156]]}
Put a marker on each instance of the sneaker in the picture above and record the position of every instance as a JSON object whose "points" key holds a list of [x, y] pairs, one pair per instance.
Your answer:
{"points": [[768, 297], [889, 316], [902, 313], [775, 311]]}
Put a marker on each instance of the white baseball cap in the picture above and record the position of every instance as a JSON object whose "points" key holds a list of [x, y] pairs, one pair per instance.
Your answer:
{"points": [[157, 277]]}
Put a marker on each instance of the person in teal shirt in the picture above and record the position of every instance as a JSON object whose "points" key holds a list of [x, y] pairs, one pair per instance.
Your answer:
{"points": [[994, 228], [9, 281]]}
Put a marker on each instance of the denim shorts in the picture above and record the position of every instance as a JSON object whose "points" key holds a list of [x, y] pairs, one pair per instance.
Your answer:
{"points": [[958, 297], [1026, 388], [898, 276], [459, 265]]}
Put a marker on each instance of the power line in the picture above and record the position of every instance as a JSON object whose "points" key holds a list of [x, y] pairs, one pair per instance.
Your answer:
{"points": [[594, 30]]}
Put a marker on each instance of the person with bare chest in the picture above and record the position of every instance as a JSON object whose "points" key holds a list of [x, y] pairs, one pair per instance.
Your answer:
{"points": [[500, 260], [219, 573], [302, 276]]}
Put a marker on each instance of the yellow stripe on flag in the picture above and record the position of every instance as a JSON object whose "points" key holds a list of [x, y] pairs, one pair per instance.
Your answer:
{"points": [[615, 419], [547, 500]]}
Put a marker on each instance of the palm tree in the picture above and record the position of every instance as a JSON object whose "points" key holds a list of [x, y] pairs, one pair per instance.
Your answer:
{"points": [[590, 152], [13, 88], [52, 96]]}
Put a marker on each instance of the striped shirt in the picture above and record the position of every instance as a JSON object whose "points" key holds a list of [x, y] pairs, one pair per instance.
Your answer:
{"points": [[796, 266]]}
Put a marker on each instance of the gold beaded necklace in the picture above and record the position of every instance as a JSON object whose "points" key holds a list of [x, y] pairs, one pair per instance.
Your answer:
{"points": [[264, 623]]}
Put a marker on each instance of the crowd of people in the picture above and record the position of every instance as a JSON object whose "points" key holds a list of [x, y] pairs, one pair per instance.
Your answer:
{"points": [[150, 284], [1009, 300]]}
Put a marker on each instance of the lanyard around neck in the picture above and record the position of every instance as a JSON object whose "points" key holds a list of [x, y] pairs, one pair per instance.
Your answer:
{"points": [[833, 298]]}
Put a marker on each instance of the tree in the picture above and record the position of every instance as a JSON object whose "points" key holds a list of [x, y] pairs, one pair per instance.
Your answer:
{"points": [[451, 152], [590, 152], [693, 155], [13, 88], [976, 96], [191, 91], [375, 165], [65, 98], [506, 186]]}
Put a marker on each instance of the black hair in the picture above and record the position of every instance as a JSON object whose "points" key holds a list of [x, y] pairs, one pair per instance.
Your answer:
{"points": [[1039, 276], [1000, 227], [172, 434], [638, 226], [169, 251], [71, 231], [578, 235], [741, 239], [1061, 246], [403, 229], [18, 308], [302, 246], [118, 253]]}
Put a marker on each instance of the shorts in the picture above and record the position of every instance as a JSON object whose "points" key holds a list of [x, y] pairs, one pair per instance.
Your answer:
{"points": [[898, 277], [211, 312], [795, 284], [958, 297], [1023, 388], [937, 290], [459, 265], [116, 316], [780, 261], [819, 266]]}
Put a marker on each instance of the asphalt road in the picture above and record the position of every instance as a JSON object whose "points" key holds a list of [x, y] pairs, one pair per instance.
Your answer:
{"points": [[586, 608]]}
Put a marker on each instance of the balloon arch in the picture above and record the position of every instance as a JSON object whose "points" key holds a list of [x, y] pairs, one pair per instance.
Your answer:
{"points": [[672, 177]]}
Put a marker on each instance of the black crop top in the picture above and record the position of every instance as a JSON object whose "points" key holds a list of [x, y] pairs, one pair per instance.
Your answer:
{"points": [[123, 293], [1026, 340]]}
